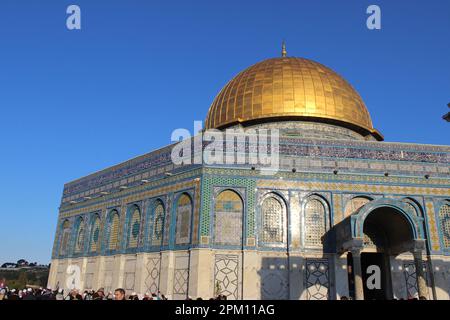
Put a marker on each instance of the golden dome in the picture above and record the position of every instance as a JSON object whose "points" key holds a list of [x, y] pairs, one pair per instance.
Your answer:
{"points": [[289, 88]]}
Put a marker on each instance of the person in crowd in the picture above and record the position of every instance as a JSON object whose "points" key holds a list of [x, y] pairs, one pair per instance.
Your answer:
{"points": [[2, 294], [99, 295], [133, 296], [119, 294], [110, 296], [29, 294], [60, 294]]}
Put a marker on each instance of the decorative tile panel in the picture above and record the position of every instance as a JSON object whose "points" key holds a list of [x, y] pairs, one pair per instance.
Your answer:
{"points": [[434, 235], [181, 277], [274, 275], [225, 181], [315, 223], [152, 267], [158, 224], [410, 274], [228, 215], [183, 222], [273, 217], [317, 279], [337, 208], [226, 276], [444, 223]]}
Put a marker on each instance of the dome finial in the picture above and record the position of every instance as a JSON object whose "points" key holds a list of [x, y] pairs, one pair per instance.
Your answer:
{"points": [[283, 49]]}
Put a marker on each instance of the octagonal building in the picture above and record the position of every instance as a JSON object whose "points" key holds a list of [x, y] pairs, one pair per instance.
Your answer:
{"points": [[342, 202]]}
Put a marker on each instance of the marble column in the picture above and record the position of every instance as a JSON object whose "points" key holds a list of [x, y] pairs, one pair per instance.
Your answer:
{"points": [[421, 282], [357, 273]]}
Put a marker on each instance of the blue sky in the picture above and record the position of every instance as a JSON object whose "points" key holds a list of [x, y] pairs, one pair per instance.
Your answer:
{"points": [[74, 102]]}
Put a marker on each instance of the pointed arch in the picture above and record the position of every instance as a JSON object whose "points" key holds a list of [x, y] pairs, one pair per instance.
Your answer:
{"points": [[80, 235], [65, 237], [134, 226], [94, 239], [413, 206], [113, 230], [315, 221], [183, 219], [273, 219], [355, 203], [157, 232], [228, 216]]}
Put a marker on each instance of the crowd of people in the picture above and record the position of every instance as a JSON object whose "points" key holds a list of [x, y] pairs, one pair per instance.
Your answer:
{"points": [[100, 294], [409, 298]]}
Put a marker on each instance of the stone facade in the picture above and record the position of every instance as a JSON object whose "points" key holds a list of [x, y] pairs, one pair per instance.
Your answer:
{"points": [[292, 246]]}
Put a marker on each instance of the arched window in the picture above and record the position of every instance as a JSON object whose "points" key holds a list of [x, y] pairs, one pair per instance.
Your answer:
{"points": [[113, 243], [79, 243], [273, 221], [354, 204], [134, 227], [95, 234], [315, 223], [444, 221], [65, 237], [183, 215], [228, 213], [158, 224]]}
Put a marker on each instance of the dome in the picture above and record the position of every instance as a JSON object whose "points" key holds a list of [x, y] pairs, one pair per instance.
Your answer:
{"points": [[290, 88]]}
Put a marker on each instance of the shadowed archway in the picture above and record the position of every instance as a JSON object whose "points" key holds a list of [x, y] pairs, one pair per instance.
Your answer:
{"points": [[380, 229]]}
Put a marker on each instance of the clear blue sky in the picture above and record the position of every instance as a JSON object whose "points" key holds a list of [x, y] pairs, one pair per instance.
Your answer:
{"points": [[74, 102]]}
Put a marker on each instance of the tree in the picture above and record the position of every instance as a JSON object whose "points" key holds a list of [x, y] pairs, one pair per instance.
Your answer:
{"points": [[22, 262]]}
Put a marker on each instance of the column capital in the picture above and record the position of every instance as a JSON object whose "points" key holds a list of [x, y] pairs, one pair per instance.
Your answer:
{"points": [[418, 247], [354, 246]]}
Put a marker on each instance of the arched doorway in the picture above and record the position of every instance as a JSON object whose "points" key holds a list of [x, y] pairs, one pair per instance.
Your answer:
{"points": [[377, 231], [386, 233]]}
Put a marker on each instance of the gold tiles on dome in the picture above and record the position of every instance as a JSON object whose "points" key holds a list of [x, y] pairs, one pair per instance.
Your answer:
{"points": [[288, 87]]}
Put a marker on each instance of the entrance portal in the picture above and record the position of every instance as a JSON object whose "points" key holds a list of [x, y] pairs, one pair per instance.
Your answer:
{"points": [[372, 236], [374, 276]]}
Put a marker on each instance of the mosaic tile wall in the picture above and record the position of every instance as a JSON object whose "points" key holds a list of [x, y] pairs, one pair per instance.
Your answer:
{"points": [[353, 155], [183, 220], [228, 217], [158, 225], [210, 181], [122, 226], [437, 229], [144, 177], [95, 235], [444, 222]]}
